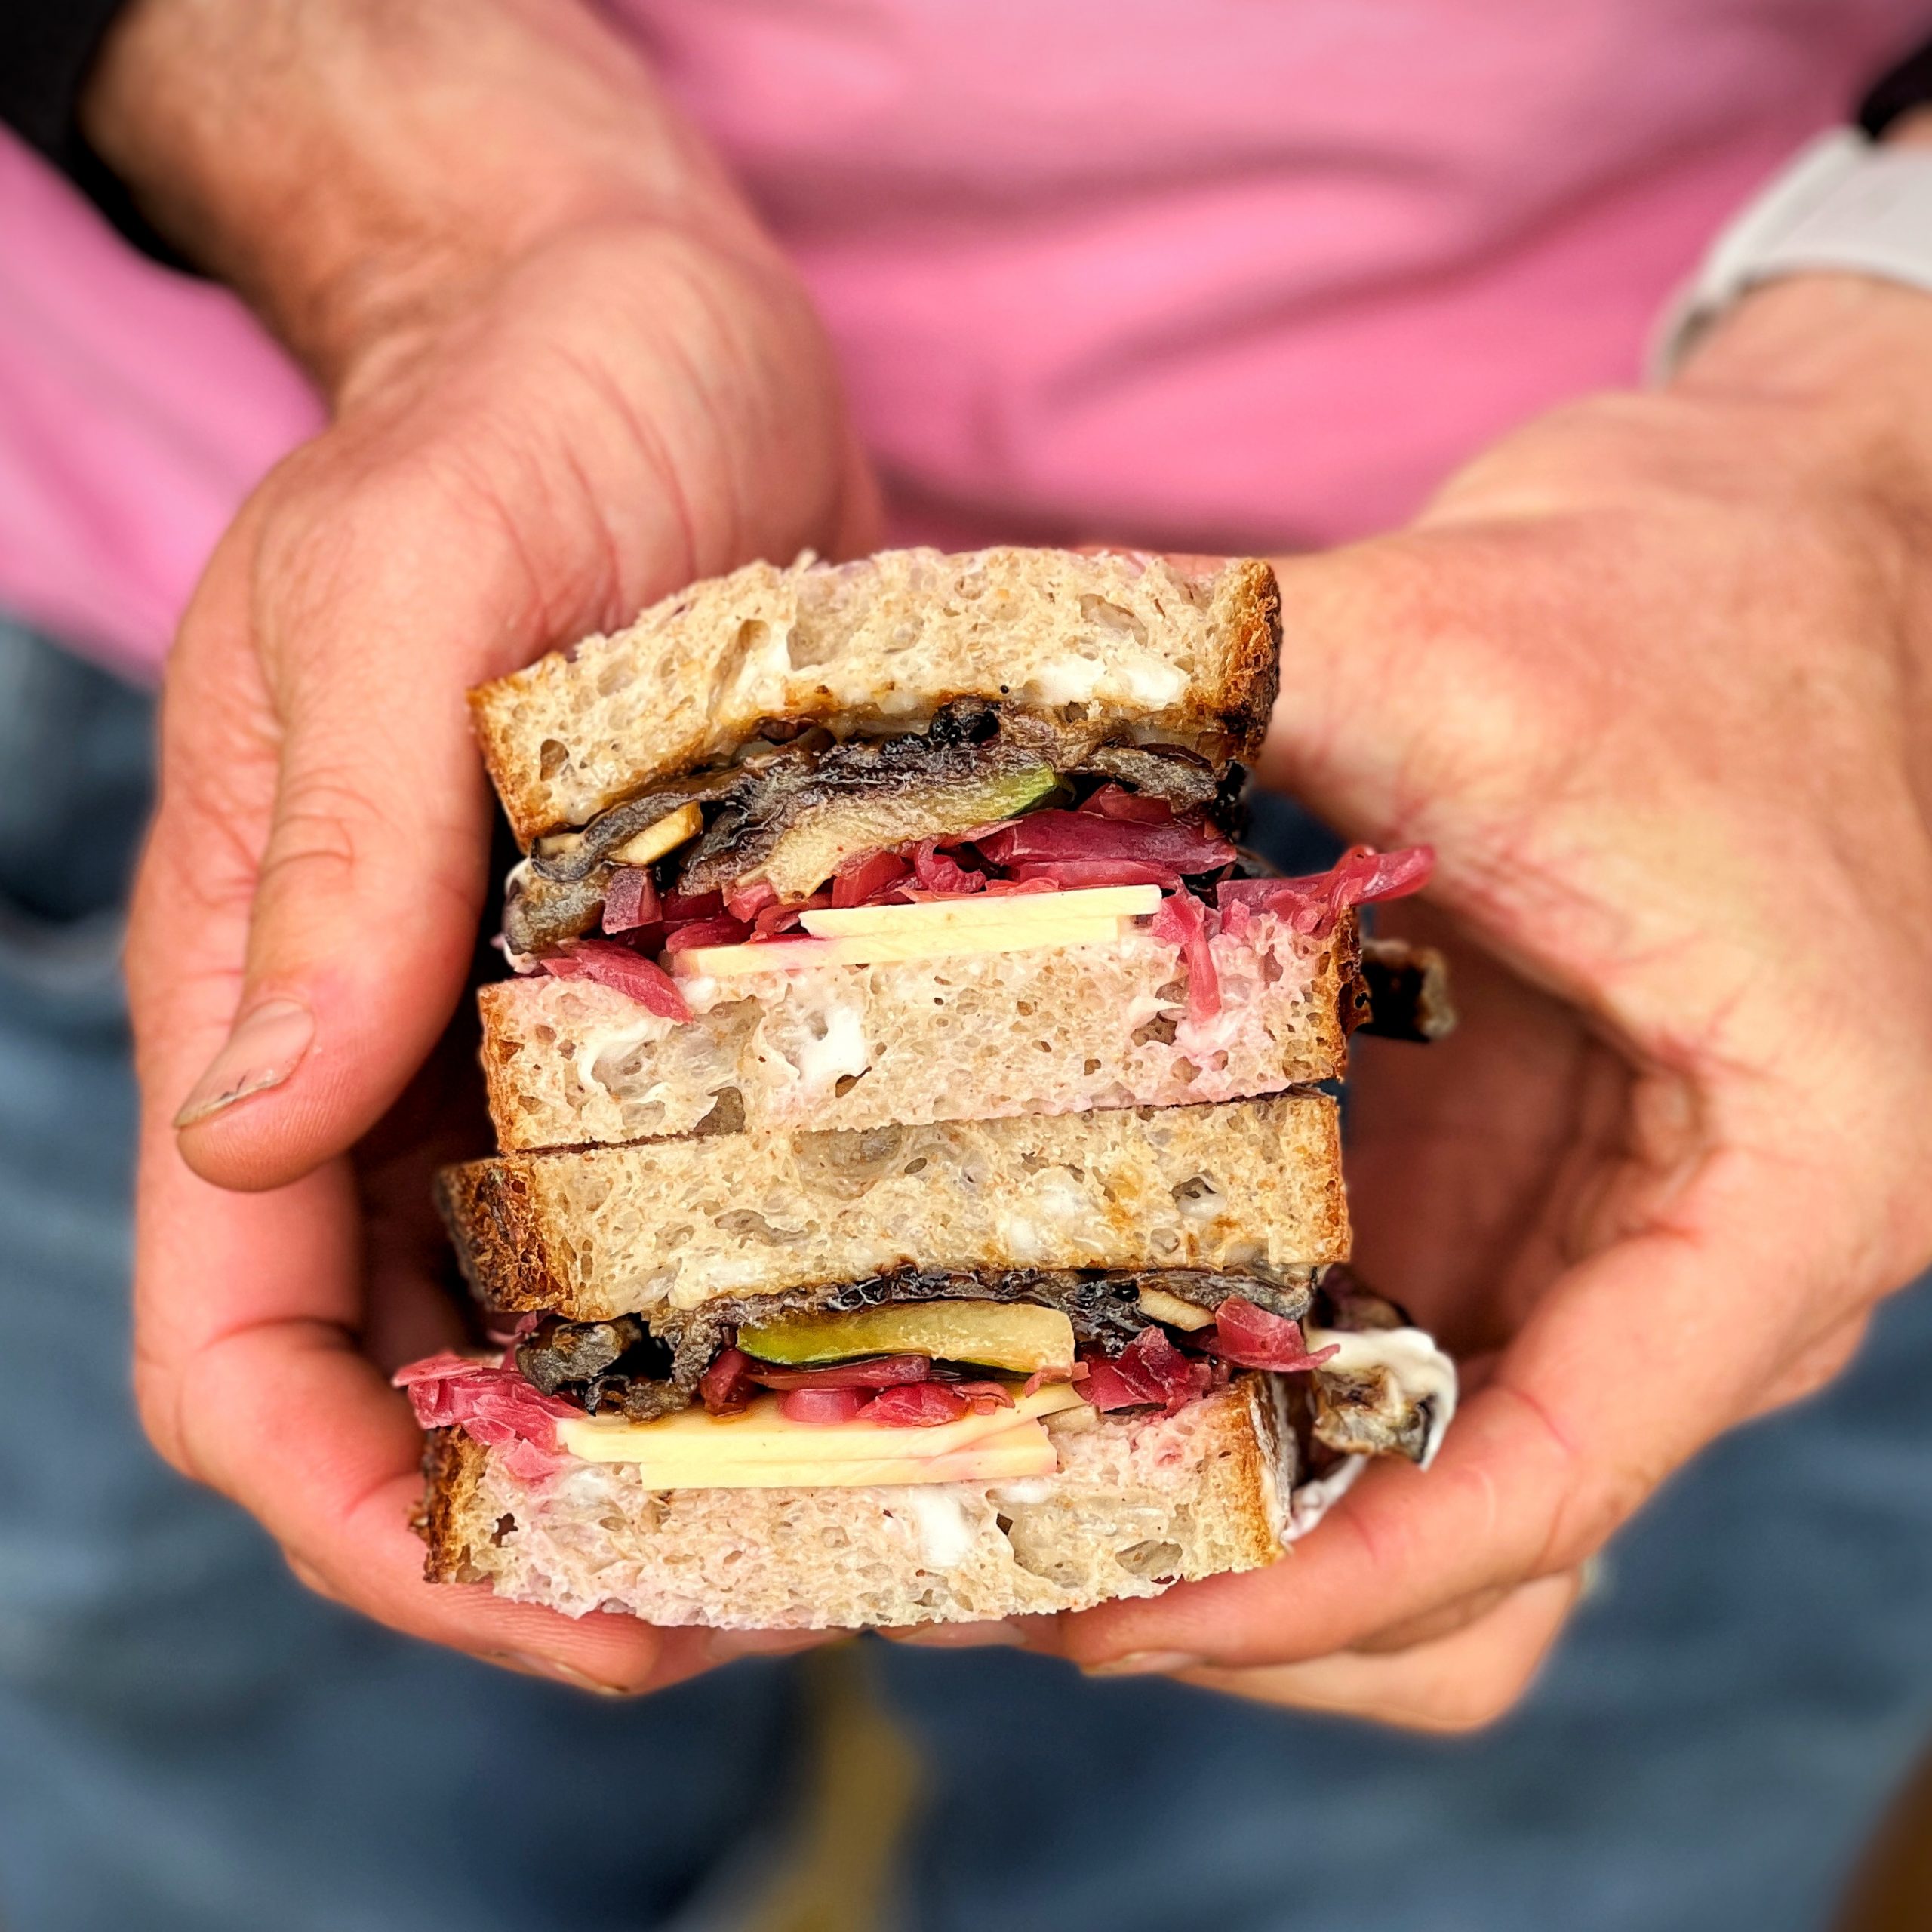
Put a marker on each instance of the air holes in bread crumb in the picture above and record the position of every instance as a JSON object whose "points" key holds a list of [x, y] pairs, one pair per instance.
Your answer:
{"points": [[1197, 1195], [1158, 1031], [727, 1115], [749, 1221], [1106, 615], [553, 754], [1160, 1562]]}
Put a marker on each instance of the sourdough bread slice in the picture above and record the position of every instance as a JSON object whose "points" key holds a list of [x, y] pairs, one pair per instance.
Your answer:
{"points": [[1182, 651], [1141, 1502], [1053, 1029], [672, 1224]]}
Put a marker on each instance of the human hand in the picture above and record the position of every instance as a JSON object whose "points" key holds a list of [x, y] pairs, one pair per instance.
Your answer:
{"points": [[1652, 677], [568, 376]]}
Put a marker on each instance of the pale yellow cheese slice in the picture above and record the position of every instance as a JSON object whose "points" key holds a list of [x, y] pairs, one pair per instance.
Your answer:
{"points": [[963, 916], [729, 962], [1020, 1449], [696, 1451]]}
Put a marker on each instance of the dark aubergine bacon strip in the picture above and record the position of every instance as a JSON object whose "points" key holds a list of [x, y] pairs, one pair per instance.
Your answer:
{"points": [[902, 790], [621, 1368]]}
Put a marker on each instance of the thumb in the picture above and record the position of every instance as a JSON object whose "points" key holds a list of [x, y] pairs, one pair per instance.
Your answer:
{"points": [[365, 911], [1402, 689]]}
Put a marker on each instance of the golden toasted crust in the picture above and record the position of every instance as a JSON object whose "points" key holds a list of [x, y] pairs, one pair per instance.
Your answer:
{"points": [[1180, 651], [498, 1228], [1247, 611], [453, 1465]]}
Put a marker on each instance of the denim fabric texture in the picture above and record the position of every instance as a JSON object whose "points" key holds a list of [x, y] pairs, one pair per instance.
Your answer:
{"points": [[190, 1742]]}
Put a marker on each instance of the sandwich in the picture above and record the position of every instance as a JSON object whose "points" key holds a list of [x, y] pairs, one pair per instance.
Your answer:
{"points": [[918, 1192]]}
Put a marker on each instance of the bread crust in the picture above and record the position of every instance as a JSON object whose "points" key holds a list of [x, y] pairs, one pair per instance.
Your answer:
{"points": [[1181, 658], [1248, 611], [499, 1231], [453, 1466]]}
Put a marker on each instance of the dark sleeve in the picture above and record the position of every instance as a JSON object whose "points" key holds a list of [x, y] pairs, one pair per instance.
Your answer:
{"points": [[46, 48], [1907, 86]]}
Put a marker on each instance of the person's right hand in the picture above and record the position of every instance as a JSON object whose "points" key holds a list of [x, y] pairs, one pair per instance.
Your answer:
{"points": [[568, 376]]}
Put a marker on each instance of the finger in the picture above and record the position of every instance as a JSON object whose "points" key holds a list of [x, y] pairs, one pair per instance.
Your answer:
{"points": [[370, 872], [1638, 1357], [259, 1390], [1814, 1367], [1456, 1682]]}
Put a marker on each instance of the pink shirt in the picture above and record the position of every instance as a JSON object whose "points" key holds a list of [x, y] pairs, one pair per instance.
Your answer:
{"points": [[1212, 273]]}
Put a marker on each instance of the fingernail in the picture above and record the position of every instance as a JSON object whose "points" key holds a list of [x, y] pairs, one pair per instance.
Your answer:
{"points": [[726, 1645], [958, 1636], [1145, 1663], [265, 1048], [550, 1667]]}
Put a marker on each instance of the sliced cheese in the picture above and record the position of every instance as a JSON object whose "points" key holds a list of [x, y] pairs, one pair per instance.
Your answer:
{"points": [[962, 916], [731, 962], [1019, 1450], [693, 1450]]}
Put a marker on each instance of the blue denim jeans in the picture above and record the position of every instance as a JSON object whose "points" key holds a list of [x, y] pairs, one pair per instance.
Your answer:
{"points": [[189, 1743]]}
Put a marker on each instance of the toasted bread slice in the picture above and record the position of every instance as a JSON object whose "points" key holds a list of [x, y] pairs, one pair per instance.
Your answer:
{"points": [[1141, 1502], [674, 1224], [1183, 651], [1053, 1029]]}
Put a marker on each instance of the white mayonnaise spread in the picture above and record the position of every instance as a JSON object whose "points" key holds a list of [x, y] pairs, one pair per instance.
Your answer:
{"points": [[1312, 1501], [1422, 1373], [936, 1515], [1073, 679], [1065, 681], [1150, 682], [1035, 1226], [842, 1049], [1025, 1489], [619, 1040]]}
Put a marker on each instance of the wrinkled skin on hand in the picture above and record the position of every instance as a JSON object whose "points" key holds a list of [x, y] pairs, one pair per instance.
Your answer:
{"points": [[1653, 676], [627, 409]]}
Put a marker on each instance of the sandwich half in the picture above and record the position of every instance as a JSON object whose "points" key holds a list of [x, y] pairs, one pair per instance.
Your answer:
{"points": [[916, 1198]]}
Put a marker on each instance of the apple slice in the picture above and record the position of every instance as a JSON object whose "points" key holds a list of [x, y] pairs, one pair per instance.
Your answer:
{"points": [[963, 916]]}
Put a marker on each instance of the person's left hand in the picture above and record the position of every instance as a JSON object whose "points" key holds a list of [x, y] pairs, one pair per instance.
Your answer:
{"points": [[1651, 677]]}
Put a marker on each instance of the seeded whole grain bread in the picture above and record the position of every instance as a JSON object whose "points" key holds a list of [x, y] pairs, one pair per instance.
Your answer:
{"points": [[1141, 1502], [608, 1231], [1053, 1029], [1182, 651]]}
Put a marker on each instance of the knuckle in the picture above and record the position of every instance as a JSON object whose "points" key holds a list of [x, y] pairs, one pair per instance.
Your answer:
{"points": [[1474, 1703], [157, 1403], [324, 826], [305, 1574]]}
